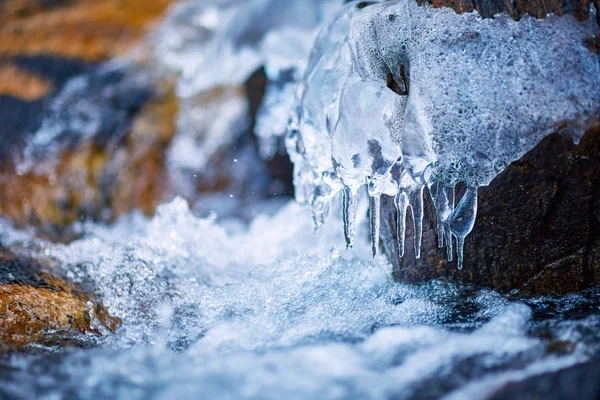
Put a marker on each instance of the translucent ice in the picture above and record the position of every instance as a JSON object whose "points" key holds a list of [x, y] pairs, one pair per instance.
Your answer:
{"points": [[221, 42], [448, 97]]}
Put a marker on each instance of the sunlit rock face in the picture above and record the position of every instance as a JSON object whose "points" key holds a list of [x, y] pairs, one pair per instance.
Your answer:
{"points": [[37, 307], [401, 97]]}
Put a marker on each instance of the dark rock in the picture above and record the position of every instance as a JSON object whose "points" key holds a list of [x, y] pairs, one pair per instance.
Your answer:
{"points": [[580, 382], [537, 229], [580, 9]]}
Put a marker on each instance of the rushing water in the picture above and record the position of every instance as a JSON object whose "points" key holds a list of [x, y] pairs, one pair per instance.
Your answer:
{"points": [[219, 308]]}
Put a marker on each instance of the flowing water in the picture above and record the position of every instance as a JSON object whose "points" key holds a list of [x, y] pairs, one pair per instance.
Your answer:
{"points": [[220, 308]]}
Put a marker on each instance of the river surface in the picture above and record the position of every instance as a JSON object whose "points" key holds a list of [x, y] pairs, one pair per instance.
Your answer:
{"points": [[221, 308]]}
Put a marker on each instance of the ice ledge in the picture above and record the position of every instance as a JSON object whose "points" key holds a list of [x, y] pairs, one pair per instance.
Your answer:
{"points": [[401, 97]]}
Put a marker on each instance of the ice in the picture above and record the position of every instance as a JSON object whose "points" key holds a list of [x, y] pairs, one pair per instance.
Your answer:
{"points": [[450, 98], [222, 42], [213, 309], [463, 220]]}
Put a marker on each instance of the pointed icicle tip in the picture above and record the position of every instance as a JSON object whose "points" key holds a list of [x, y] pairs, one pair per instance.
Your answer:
{"points": [[374, 207], [401, 203], [463, 220], [416, 208], [349, 202]]}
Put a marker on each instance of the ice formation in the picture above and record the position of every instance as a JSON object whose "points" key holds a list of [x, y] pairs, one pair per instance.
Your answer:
{"points": [[222, 42], [401, 97]]}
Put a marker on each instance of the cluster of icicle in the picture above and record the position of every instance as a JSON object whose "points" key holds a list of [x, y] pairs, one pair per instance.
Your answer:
{"points": [[401, 97]]}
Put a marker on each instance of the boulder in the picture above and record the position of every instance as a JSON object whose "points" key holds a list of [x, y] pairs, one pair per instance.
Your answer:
{"points": [[537, 229], [37, 307], [43, 45]]}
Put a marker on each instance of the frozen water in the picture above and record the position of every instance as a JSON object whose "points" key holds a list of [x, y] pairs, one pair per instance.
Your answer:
{"points": [[215, 308], [222, 42], [449, 97]]}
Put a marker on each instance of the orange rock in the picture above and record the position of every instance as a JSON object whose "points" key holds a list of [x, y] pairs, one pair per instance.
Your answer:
{"points": [[97, 181], [36, 307], [89, 30], [22, 84]]}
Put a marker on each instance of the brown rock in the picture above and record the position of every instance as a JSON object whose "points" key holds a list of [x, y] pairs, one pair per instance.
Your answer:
{"points": [[22, 84], [42, 45], [98, 178], [537, 229], [580, 9], [89, 30], [36, 307]]}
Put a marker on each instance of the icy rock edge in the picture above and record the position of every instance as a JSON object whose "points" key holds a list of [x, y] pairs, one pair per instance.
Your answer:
{"points": [[402, 97]]}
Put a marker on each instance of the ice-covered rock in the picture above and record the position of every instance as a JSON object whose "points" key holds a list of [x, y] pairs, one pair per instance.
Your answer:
{"points": [[466, 96]]}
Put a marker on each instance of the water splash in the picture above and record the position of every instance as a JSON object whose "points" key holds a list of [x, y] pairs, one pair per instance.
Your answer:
{"points": [[214, 309]]}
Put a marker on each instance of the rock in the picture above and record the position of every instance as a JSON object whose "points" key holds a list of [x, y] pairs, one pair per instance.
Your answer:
{"points": [[581, 382], [519, 8], [75, 29], [117, 168], [537, 229], [38, 308], [43, 45]]}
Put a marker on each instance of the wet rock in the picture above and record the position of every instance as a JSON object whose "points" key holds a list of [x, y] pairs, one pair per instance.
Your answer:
{"points": [[60, 173], [581, 382], [537, 229], [39, 308], [519, 8], [75, 29], [104, 154]]}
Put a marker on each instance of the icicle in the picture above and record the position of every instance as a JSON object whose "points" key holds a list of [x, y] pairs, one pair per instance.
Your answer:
{"points": [[444, 206], [416, 207], [374, 208], [449, 193], [433, 193], [401, 206], [463, 220], [320, 204], [349, 199]]}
